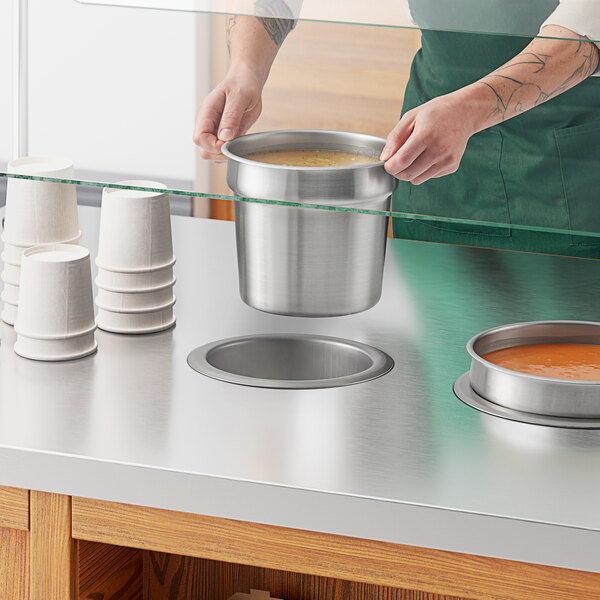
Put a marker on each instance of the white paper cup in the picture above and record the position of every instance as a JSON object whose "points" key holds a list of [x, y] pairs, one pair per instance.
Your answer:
{"points": [[54, 349], [13, 253], [11, 272], [135, 228], [40, 211], [122, 280], [136, 322], [55, 298], [9, 313], [117, 300], [10, 293]]}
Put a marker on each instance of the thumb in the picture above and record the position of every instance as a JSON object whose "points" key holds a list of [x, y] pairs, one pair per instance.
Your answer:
{"points": [[236, 104], [397, 137]]}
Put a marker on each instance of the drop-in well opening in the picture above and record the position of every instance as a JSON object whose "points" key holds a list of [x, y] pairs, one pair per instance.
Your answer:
{"points": [[293, 361]]}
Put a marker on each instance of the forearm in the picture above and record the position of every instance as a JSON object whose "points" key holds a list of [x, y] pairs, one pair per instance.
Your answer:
{"points": [[544, 70], [253, 43]]}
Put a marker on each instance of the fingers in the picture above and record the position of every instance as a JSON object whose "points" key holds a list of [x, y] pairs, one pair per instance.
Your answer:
{"points": [[398, 136], [207, 123], [404, 159], [250, 118], [237, 103]]}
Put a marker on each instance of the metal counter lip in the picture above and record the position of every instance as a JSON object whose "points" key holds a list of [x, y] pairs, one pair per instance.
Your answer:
{"points": [[462, 532], [270, 484], [390, 459]]}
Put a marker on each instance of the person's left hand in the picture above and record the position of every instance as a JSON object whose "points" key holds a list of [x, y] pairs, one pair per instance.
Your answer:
{"points": [[429, 140]]}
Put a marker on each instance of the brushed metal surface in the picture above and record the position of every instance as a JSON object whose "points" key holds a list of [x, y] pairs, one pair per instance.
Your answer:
{"points": [[315, 263], [529, 393], [464, 391], [399, 458], [290, 361]]}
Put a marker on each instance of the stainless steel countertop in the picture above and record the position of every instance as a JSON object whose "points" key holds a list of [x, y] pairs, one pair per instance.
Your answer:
{"points": [[397, 459]]}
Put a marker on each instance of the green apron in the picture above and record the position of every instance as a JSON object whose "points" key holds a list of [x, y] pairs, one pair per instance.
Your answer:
{"points": [[541, 168]]}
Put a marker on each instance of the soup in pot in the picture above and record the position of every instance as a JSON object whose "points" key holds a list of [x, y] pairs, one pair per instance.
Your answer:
{"points": [[311, 158], [558, 361]]}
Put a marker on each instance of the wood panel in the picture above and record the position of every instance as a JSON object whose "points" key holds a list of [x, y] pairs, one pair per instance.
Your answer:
{"points": [[171, 577], [14, 564], [326, 76], [108, 572], [14, 508], [327, 555], [53, 557]]}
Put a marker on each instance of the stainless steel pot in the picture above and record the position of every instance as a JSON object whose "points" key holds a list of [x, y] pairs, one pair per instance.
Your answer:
{"points": [[302, 261], [530, 393]]}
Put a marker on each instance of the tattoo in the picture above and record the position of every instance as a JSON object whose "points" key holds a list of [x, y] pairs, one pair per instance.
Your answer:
{"points": [[231, 23], [514, 96], [269, 12]]}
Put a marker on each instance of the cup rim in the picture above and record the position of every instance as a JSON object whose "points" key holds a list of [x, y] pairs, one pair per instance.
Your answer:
{"points": [[68, 241], [61, 163], [133, 311], [68, 248], [135, 290], [136, 269], [11, 303], [55, 336], [50, 357], [5, 279], [8, 262], [139, 331], [142, 183]]}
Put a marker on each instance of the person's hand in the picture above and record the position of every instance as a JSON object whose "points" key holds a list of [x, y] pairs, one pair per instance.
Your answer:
{"points": [[226, 113], [430, 140]]}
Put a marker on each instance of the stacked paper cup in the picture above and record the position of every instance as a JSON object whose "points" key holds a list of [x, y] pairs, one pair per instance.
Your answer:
{"points": [[37, 212], [56, 305], [135, 260]]}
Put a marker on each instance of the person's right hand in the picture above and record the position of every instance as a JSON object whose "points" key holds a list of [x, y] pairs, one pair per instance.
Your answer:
{"points": [[226, 113]]}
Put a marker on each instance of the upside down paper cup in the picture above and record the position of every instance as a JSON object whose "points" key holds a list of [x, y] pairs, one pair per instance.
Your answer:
{"points": [[55, 349], [11, 272], [136, 322], [9, 313], [135, 228], [148, 299], [13, 253], [10, 292], [134, 280], [56, 307], [39, 212]]}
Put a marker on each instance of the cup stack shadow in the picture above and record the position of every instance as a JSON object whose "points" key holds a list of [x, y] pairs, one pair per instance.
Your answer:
{"points": [[37, 212], [135, 260]]}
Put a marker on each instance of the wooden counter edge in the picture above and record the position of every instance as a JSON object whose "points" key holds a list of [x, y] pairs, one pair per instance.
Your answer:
{"points": [[14, 508], [328, 555]]}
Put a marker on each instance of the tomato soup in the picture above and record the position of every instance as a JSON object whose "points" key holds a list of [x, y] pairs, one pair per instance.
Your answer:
{"points": [[312, 158], [559, 361]]}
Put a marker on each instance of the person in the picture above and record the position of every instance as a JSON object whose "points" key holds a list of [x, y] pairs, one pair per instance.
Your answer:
{"points": [[494, 128]]}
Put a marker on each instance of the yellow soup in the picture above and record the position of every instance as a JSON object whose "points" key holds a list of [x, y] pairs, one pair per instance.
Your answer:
{"points": [[311, 158], [558, 361]]}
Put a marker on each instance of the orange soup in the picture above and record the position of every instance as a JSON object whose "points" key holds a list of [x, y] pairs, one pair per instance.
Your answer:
{"points": [[311, 158], [559, 361]]}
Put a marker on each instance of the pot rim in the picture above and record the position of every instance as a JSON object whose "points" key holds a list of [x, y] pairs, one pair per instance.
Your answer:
{"points": [[477, 357], [226, 150]]}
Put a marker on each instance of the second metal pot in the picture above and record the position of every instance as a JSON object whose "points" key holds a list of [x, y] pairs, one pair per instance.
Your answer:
{"points": [[301, 261]]}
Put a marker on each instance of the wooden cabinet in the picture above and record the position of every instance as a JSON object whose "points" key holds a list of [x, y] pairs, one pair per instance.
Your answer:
{"points": [[55, 547]]}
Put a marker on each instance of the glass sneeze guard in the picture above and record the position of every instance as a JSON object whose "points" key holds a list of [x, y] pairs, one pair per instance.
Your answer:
{"points": [[500, 17], [122, 106]]}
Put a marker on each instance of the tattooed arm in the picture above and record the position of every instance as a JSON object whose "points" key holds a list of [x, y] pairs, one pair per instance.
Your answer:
{"points": [[545, 69], [429, 141], [235, 104]]}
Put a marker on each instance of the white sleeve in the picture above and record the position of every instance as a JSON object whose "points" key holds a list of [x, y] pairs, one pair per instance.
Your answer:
{"points": [[286, 9], [580, 16]]}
